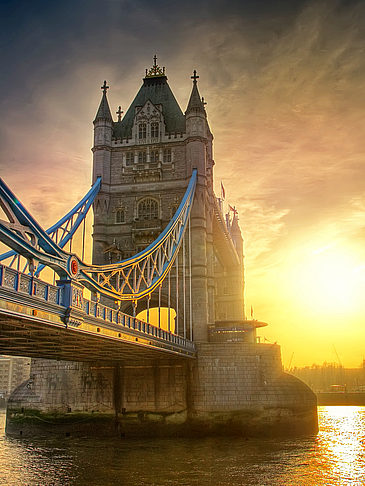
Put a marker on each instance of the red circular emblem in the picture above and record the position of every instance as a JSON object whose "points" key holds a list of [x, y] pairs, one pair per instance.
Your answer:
{"points": [[74, 267]]}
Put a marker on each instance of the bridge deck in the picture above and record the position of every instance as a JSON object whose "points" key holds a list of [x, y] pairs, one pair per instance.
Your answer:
{"points": [[39, 338], [32, 323]]}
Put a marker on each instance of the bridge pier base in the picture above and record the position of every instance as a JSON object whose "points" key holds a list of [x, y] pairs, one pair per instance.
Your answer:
{"points": [[230, 389]]}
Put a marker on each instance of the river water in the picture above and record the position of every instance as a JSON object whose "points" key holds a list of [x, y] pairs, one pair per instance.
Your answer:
{"points": [[335, 457]]}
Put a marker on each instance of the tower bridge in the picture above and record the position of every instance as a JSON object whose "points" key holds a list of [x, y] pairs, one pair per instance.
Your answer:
{"points": [[160, 242]]}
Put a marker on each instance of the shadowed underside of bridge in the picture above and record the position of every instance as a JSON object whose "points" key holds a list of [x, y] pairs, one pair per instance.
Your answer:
{"points": [[40, 338], [33, 323]]}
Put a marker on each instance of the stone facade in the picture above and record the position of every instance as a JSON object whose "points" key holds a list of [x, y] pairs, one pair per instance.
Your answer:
{"points": [[146, 160]]}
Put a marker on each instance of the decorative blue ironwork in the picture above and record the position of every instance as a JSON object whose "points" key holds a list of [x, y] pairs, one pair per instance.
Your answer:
{"points": [[130, 279], [60, 233], [23, 298], [138, 276]]}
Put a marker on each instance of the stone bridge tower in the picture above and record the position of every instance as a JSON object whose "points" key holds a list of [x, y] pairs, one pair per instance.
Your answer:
{"points": [[146, 159], [233, 385]]}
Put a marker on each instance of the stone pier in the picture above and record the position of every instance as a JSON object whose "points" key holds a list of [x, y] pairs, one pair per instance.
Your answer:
{"points": [[230, 389]]}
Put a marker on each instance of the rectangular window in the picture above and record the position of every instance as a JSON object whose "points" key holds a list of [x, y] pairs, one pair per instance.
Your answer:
{"points": [[142, 130], [154, 155], [129, 158], [167, 156], [154, 130], [142, 157]]}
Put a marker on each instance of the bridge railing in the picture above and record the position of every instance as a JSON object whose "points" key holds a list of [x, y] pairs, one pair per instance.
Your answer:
{"points": [[114, 316], [24, 284]]}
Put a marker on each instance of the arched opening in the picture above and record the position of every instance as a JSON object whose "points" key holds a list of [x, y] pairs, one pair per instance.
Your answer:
{"points": [[180, 322], [160, 319], [120, 215]]}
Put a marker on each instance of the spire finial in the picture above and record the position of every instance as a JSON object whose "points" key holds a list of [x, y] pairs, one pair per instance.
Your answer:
{"points": [[194, 77], [119, 113], [104, 87], [155, 70]]}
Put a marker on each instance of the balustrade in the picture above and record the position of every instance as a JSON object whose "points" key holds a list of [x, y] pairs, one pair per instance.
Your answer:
{"points": [[25, 284]]}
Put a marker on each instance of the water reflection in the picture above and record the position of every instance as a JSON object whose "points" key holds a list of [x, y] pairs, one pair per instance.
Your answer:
{"points": [[342, 442], [335, 457]]}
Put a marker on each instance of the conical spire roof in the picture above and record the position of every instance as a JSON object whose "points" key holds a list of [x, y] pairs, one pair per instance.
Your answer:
{"points": [[155, 89], [235, 228], [103, 112], [195, 103]]}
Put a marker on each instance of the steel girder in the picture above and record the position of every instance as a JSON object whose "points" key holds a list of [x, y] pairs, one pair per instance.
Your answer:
{"points": [[130, 279]]}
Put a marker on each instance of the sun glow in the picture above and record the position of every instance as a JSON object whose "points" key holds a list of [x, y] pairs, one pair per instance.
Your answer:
{"points": [[329, 280]]}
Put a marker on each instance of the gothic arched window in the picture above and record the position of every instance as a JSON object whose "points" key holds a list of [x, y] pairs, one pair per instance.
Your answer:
{"points": [[154, 130], [147, 209], [142, 130], [120, 216]]}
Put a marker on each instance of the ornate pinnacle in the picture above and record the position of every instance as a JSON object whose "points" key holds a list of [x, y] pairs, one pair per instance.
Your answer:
{"points": [[155, 70]]}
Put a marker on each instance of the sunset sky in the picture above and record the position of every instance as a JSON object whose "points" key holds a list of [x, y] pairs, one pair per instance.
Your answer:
{"points": [[284, 83]]}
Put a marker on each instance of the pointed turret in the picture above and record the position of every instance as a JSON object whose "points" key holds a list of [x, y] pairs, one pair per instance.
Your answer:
{"points": [[195, 104], [103, 128], [196, 130], [237, 279], [236, 234], [103, 113], [201, 218]]}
